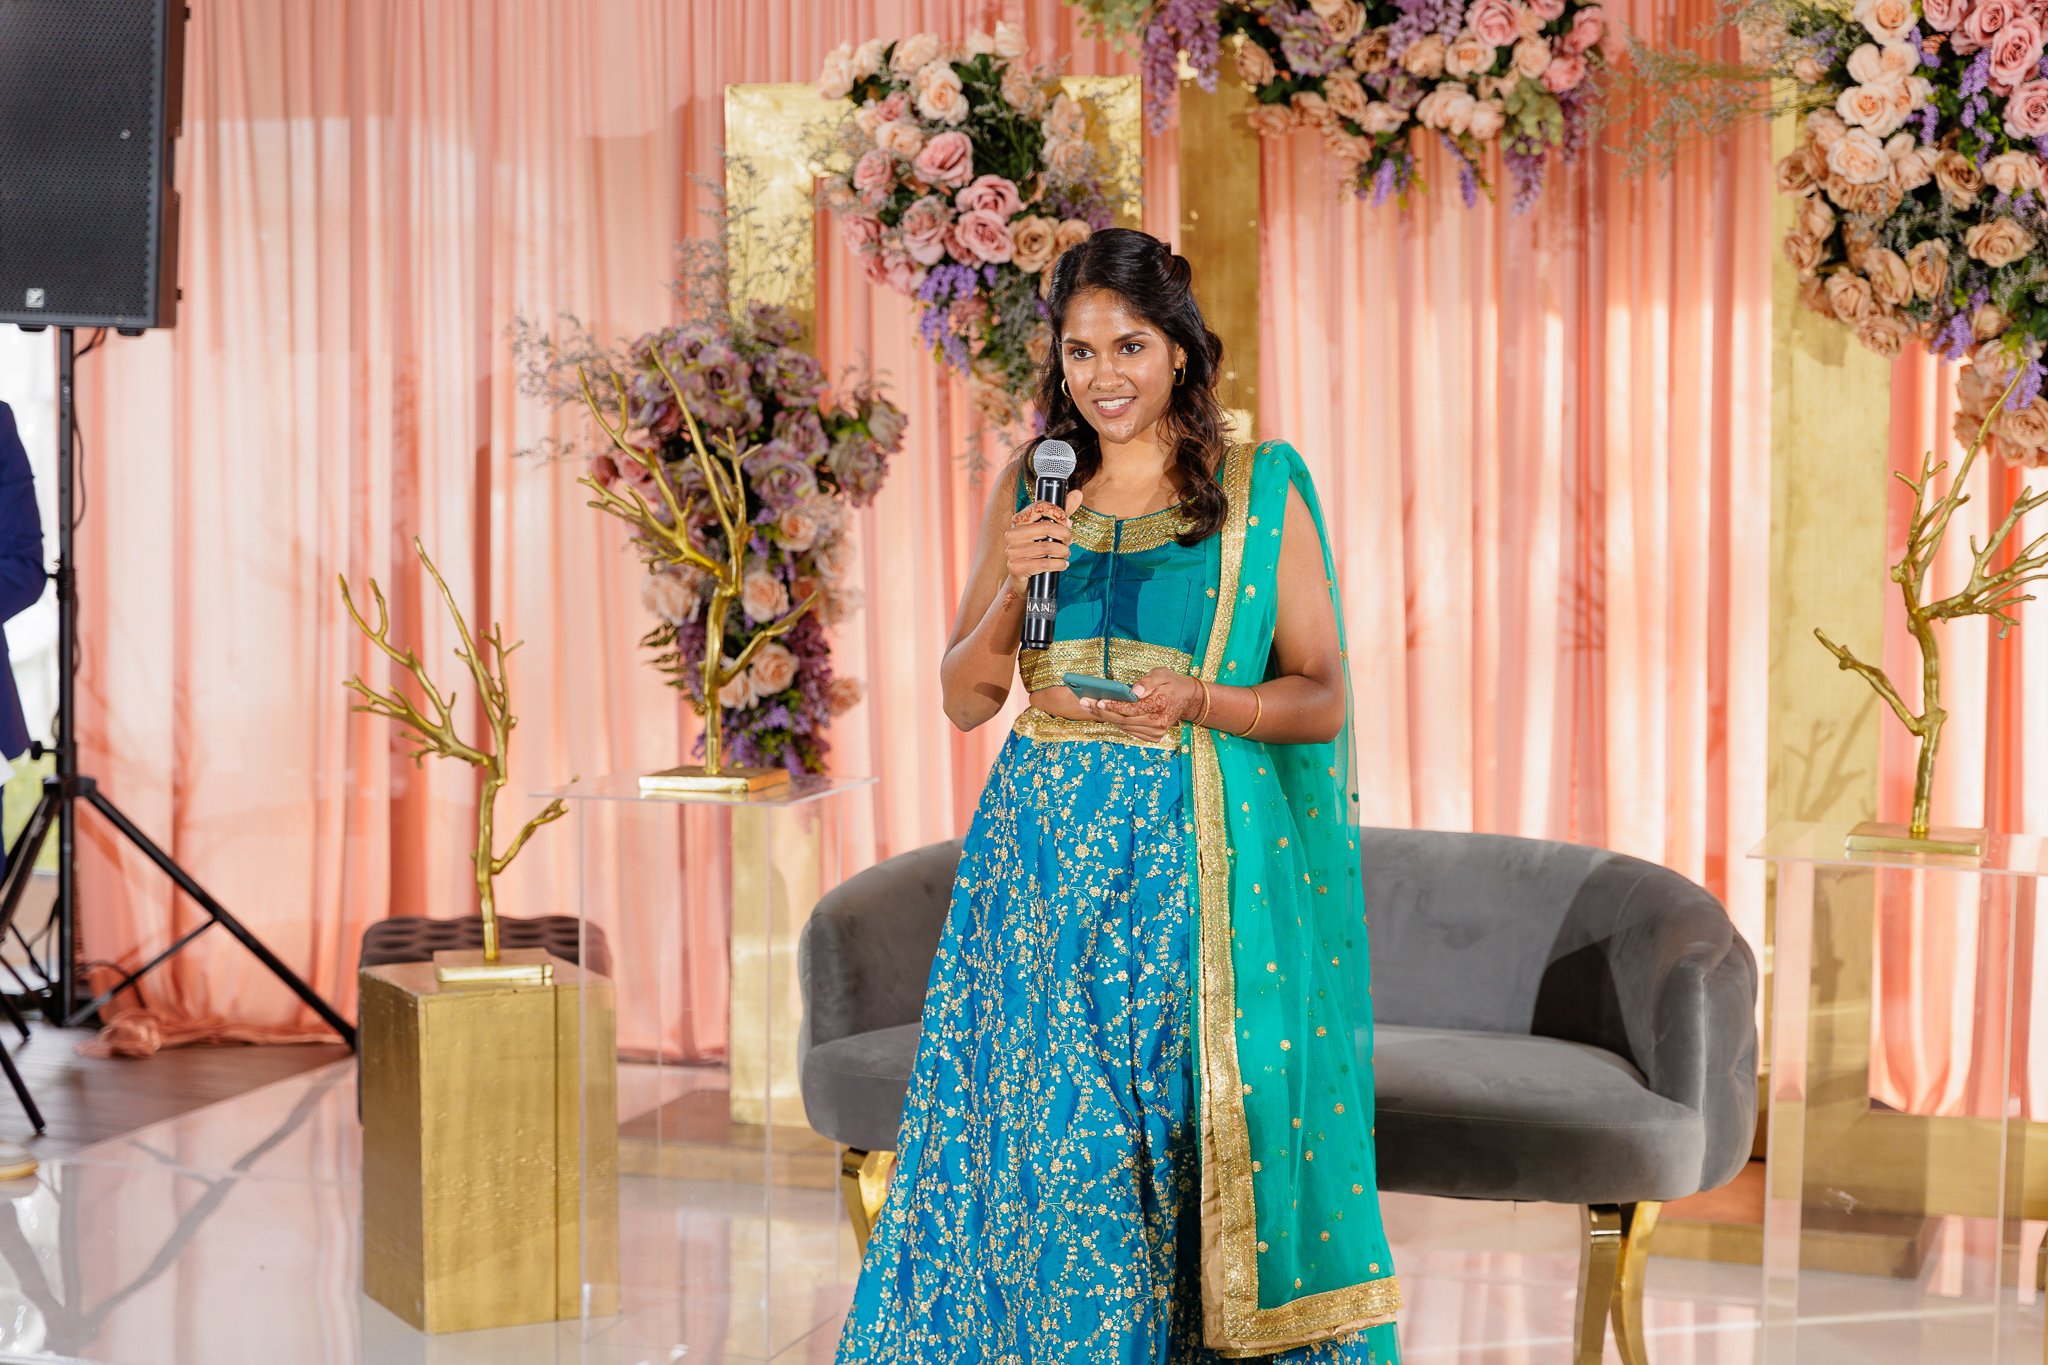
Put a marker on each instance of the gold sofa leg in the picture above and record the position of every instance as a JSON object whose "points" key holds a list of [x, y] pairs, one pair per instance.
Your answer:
{"points": [[864, 1181], [1612, 1260]]}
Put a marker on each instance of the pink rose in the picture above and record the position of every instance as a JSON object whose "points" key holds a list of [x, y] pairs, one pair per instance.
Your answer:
{"points": [[947, 160], [763, 597], [1072, 232], [1069, 159], [900, 138], [1806, 70], [2013, 173], [774, 669], [1488, 116], [867, 58], [861, 231], [1871, 107], [1987, 19], [1065, 121], [1345, 23], [1564, 73], [924, 225], [797, 529], [1272, 120], [1313, 109], [1021, 92], [938, 95], [1885, 20], [986, 235], [1587, 26], [1532, 57], [892, 109], [873, 175], [1010, 42], [1871, 64], [913, 53], [1345, 96], [1943, 15], [902, 273], [1860, 158], [1034, 243], [1381, 117], [1547, 10], [1493, 23], [1255, 64], [991, 193], [1468, 55], [1424, 57], [835, 78], [842, 694], [2026, 110], [672, 595], [2015, 52]]}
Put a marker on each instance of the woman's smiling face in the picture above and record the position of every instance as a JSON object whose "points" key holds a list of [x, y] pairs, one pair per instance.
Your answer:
{"points": [[1118, 366]]}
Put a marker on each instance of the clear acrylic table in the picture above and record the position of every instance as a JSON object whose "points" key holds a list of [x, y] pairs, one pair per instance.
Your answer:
{"points": [[1944, 1203], [733, 1241]]}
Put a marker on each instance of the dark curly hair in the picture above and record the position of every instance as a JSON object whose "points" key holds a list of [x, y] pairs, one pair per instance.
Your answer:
{"points": [[1159, 285]]}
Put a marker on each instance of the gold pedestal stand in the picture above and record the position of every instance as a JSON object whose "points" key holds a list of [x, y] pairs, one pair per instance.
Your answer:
{"points": [[486, 1201], [694, 780], [1890, 836]]}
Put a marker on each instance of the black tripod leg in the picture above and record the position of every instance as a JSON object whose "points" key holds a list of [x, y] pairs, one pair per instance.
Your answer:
{"points": [[21, 859], [14, 1016], [219, 915], [28, 1102]]}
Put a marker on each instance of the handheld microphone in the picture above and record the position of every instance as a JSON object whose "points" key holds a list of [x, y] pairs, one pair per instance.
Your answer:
{"points": [[1052, 464]]}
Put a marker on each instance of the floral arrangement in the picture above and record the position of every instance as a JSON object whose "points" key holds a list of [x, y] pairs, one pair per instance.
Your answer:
{"points": [[962, 176], [804, 455], [1374, 76], [1919, 178]]}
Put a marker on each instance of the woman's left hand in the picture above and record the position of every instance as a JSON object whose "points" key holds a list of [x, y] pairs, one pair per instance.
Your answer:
{"points": [[1165, 699]]}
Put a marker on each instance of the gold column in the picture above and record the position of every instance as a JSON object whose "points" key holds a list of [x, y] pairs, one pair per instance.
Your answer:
{"points": [[1219, 229], [490, 1147]]}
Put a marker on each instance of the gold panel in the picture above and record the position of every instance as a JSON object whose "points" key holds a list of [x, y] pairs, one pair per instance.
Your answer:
{"points": [[777, 877], [1219, 229], [771, 134], [475, 1204], [1114, 105]]}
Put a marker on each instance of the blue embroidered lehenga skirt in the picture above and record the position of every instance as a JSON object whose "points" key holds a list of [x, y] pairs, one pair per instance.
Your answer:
{"points": [[1045, 1204]]}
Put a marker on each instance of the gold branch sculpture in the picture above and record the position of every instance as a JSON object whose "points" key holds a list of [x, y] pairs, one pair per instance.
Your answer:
{"points": [[666, 537], [1990, 591], [432, 723]]}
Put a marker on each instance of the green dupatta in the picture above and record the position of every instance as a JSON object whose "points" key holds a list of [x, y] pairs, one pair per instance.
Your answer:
{"points": [[1293, 1250]]}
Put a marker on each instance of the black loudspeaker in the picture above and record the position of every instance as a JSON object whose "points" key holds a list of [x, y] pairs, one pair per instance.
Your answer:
{"points": [[90, 94]]}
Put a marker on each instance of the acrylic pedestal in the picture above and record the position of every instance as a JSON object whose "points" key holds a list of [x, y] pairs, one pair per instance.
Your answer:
{"points": [[1947, 1202], [734, 1245]]}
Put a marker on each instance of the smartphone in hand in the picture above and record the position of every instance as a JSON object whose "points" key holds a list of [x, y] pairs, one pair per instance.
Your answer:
{"points": [[1099, 689]]}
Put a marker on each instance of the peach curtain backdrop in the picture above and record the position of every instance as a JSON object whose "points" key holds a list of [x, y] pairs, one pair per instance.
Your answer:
{"points": [[1542, 442]]}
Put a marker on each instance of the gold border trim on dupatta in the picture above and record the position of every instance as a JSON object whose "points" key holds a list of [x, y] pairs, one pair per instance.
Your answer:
{"points": [[1233, 1324]]}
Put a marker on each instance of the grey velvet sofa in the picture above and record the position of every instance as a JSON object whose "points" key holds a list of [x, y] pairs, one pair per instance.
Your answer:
{"points": [[1554, 1023]]}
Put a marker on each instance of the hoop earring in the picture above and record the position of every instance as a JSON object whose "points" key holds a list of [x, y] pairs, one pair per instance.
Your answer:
{"points": [[1180, 374], [1067, 391]]}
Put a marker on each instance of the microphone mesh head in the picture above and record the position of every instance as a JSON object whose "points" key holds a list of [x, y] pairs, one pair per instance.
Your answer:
{"points": [[1053, 459]]}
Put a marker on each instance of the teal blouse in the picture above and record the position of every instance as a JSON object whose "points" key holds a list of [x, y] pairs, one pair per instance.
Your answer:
{"points": [[1132, 599]]}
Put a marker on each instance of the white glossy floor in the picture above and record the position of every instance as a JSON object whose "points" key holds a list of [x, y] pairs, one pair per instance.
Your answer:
{"points": [[230, 1236]]}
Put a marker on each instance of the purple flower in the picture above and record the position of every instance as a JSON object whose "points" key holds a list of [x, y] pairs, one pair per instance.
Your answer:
{"points": [[1305, 42], [799, 430], [797, 379], [1190, 26]]}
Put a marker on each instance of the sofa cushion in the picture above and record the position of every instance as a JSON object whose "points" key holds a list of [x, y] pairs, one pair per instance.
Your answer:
{"points": [[1474, 1115], [853, 1086]]}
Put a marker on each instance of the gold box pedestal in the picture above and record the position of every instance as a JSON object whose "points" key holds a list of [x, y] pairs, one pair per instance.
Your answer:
{"points": [[736, 1243], [1852, 1186], [490, 1173]]}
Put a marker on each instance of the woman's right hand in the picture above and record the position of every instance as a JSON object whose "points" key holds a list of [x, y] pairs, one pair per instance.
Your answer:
{"points": [[1040, 540]]}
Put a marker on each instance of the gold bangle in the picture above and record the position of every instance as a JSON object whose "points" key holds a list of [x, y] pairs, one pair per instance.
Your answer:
{"points": [[1203, 719], [1258, 710]]}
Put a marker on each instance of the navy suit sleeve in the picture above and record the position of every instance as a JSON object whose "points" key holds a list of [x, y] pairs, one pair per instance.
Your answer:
{"points": [[21, 526]]}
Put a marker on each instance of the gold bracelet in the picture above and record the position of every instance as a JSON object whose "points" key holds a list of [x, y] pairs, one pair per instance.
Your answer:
{"points": [[1203, 719], [1258, 710]]}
